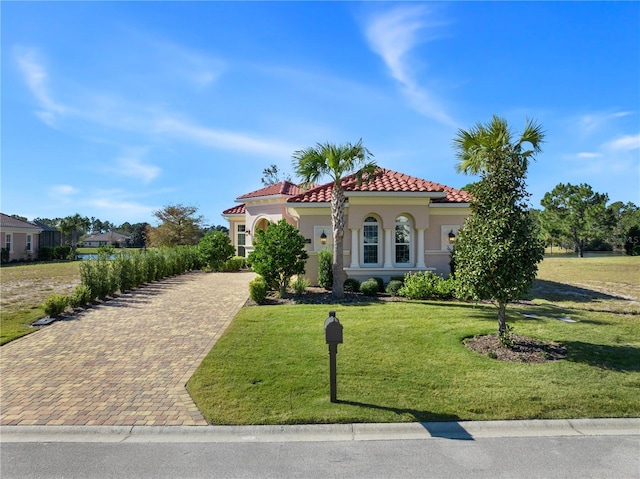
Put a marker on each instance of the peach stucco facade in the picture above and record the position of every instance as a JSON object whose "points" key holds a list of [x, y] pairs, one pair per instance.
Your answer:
{"points": [[397, 224]]}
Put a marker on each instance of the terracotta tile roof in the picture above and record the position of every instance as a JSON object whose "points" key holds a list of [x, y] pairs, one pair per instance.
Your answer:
{"points": [[383, 180], [283, 188], [7, 221], [235, 210]]}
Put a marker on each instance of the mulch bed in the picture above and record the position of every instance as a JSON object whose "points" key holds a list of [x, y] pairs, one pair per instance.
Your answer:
{"points": [[522, 349]]}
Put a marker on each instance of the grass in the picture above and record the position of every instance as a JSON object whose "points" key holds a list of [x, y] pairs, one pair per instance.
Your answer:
{"points": [[405, 361], [25, 287]]}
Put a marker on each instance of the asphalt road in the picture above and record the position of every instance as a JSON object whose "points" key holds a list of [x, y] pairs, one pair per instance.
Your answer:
{"points": [[500, 449]]}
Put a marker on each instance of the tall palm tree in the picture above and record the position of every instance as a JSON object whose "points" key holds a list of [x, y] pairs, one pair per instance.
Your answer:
{"points": [[73, 224], [474, 148], [335, 161]]}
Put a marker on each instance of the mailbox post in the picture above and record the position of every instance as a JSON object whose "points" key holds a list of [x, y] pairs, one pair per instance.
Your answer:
{"points": [[333, 336]]}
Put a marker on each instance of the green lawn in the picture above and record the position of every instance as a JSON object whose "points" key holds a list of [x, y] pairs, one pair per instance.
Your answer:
{"points": [[405, 361]]}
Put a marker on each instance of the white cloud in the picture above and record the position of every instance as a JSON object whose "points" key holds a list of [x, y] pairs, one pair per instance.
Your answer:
{"points": [[131, 164], [62, 191], [36, 77], [393, 35], [588, 154], [223, 139], [625, 143]]}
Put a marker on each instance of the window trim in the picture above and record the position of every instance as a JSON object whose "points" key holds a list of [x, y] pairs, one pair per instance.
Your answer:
{"points": [[409, 245], [8, 240], [366, 223], [29, 243]]}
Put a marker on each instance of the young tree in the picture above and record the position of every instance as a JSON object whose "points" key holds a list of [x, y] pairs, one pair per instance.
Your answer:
{"points": [[179, 225], [271, 176], [216, 248], [577, 213], [279, 253], [498, 250], [75, 225], [335, 161]]}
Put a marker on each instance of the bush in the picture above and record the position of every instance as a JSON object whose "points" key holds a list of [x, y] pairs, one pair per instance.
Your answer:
{"points": [[62, 252], [81, 296], [325, 269], [279, 254], [234, 264], [352, 285], [426, 285], [393, 287], [5, 255], [258, 290], [380, 282], [369, 287], [55, 305], [300, 284], [397, 278], [45, 253], [216, 249]]}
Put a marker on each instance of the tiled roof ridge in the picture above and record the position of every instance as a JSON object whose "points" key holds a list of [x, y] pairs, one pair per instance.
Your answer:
{"points": [[284, 187]]}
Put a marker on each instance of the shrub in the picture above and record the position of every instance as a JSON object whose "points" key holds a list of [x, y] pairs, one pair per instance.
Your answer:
{"points": [[380, 282], [279, 254], [45, 253], [62, 252], [300, 284], [216, 249], [234, 264], [369, 287], [325, 269], [352, 285], [5, 255], [426, 285], [258, 290], [393, 287], [55, 305], [81, 296], [397, 278]]}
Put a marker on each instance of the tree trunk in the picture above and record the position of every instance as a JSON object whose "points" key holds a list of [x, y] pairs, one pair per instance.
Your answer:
{"points": [[337, 224], [502, 318]]}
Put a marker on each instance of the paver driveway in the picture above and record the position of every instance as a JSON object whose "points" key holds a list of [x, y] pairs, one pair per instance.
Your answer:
{"points": [[124, 362]]}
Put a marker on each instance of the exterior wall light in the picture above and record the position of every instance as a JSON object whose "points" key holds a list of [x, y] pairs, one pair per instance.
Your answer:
{"points": [[452, 237], [323, 237]]}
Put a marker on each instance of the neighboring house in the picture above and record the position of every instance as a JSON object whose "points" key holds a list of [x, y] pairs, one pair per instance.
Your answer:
{"points": [[49, 236], [395, 223], [103, 239], [19, 238]]}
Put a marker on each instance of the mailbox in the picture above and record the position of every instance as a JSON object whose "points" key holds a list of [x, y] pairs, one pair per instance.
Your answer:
{"points": [[333, 329]]}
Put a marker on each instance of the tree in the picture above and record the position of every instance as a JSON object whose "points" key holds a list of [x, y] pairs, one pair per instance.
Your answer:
{"points": [[271, 176], [498, 249], [216, 248], [138, 235], [279, 253], [577, 213], [335, 161], [178, 226], [625, 216], [75, 225]]}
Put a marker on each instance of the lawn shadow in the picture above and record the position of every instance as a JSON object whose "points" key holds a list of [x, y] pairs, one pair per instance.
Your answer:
{"points": [[438, 425], [605, 356], [554, 291]]}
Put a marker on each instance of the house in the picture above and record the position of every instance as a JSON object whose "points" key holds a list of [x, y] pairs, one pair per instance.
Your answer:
{"points": [[18, 238], [395, 223], [49, 236], [109, 238]]}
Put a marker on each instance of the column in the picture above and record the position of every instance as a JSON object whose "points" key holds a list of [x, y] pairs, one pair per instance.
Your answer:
{"points": [[355, 254], [420, 263], [388, 258]]}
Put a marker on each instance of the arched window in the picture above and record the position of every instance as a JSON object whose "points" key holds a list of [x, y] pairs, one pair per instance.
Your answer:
{"points": [[403, 240], [371, 241]]}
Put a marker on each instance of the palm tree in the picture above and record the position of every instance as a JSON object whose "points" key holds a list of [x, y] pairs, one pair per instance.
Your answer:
{"points": [[335, 161], [474, 148], [74, 224]]}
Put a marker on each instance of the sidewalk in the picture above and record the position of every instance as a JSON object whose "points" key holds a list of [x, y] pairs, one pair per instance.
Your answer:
{"points": [[125, 362]]}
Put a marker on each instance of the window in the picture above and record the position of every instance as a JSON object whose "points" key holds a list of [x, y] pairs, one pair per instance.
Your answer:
{"points": [[241, 240], [403, 240], [7, 241], [371, 238], [29, 238]]}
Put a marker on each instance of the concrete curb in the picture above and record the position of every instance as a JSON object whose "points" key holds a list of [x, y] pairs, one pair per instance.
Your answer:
{"points": [[463, 430]]}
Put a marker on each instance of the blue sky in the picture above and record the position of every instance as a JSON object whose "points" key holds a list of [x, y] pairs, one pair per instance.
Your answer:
{"points": [[116, 109]]}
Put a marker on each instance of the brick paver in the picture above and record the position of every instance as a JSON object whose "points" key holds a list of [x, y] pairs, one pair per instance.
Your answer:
{"points": [[125, 362]]}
